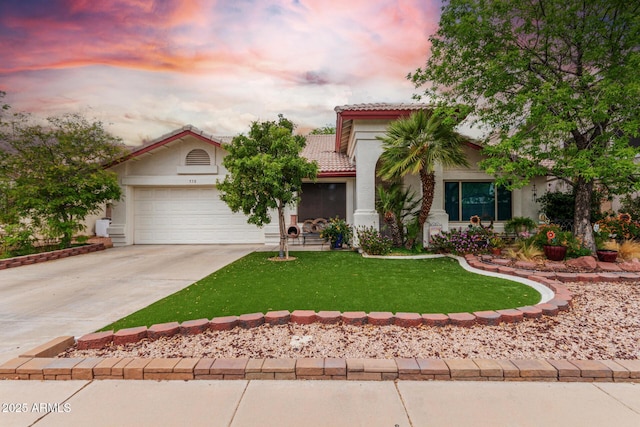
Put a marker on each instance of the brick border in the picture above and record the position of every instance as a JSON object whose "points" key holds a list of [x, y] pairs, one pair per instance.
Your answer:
{"points": [[492, 264], [48, 368], [49, 256]]}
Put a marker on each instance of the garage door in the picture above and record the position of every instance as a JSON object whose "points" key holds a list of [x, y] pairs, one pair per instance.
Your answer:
{"points": [[187, 216]]}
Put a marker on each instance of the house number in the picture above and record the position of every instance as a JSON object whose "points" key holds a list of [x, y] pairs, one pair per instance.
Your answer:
{"points": [[192, 181]]}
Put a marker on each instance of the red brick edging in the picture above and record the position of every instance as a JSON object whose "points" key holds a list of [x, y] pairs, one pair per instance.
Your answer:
{"points": [[49, 256]]}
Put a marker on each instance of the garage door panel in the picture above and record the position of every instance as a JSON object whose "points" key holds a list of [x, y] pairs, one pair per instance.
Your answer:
{"points": [[188, 215]]}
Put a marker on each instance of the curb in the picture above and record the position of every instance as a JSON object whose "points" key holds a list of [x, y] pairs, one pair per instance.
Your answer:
{"points": [[414, 369]]}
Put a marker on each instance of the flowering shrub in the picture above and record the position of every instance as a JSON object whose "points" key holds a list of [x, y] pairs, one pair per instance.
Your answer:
{"points": [[372, 242], [551, 234], [619, 228], [468, 241]]}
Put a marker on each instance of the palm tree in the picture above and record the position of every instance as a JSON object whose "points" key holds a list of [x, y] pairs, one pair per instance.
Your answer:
{"points": [[414, 145], [397, 206]]}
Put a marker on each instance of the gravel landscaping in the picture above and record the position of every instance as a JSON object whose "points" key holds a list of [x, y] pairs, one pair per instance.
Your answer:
{"points": [[604, 323]]}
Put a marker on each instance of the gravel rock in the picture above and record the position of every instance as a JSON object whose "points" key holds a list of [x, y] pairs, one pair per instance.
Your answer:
{"points": [[604, 323]]}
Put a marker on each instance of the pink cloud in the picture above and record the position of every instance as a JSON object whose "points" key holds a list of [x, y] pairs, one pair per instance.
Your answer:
{"points": [[236, 60], [193, 38]]}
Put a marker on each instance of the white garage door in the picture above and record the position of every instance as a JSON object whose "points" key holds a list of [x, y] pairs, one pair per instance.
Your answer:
{"points": [[187, 216]]}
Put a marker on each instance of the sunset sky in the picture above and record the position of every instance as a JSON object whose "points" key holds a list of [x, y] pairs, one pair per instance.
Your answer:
{"points": [[146, 68]]}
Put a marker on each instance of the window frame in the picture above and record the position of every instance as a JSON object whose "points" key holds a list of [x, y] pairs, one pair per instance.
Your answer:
{"points": [[496, 198], [322, 206]]}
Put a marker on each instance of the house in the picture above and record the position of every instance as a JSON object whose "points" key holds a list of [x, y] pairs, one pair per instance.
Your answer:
{"points": [[170, 194]]}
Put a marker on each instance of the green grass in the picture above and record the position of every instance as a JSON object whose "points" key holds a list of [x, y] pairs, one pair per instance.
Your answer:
{"points": [[342, 281]]}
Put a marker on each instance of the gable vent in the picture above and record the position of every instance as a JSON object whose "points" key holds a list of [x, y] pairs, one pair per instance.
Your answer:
{"points": [[197, 157]]}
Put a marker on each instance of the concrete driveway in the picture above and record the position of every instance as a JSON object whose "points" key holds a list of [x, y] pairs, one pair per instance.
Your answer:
{"points": [[77, 295]]}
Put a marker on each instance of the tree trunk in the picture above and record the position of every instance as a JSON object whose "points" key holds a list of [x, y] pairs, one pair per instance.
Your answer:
{"points": [[283, 233], [582, 219], [392, 223], [428, 180]]}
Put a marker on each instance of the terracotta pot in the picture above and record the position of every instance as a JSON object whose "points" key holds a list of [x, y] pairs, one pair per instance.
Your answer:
{"points": [[496, 251], [606, 255], [555, 253]]}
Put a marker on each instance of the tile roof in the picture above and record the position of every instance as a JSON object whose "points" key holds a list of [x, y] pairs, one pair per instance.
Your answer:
{"points": [[381, 106], [172, 134], [321, 148]]}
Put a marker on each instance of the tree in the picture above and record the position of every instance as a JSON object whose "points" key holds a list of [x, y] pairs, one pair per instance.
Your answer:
{"points": [[325, 130], [266, 172], [556, 81], [52, 175], [3, 109], [397, 205], [415, 144]]}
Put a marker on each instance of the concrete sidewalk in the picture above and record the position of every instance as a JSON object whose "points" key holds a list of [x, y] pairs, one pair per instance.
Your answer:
{"points": [[317, 403]]}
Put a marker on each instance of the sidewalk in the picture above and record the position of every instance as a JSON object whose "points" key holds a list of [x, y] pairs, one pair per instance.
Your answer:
{"points": [[318, 403]]}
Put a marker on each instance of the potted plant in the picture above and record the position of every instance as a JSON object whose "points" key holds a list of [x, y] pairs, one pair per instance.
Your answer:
{"points": [[554, 250], [496, 243], [337, 232], [553, 241], [604, 244]]}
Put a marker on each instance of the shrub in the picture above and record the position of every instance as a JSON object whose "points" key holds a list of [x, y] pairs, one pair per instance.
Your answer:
{"points": [[628, 249], [520, 224], [372, 242], [16, 239], [619, 227], [472, 240], [525, 250], [631, 205]]}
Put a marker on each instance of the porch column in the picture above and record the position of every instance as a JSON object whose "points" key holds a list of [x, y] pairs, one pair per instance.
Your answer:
{"points": [[367, 153], [437, 215]]}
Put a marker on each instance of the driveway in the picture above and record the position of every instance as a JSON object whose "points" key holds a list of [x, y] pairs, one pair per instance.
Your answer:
{"points": [[78, 295]]}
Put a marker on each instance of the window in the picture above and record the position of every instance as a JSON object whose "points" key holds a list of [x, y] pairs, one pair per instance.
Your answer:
{"points": [[197, 157], [462, 200], [323, 201]]}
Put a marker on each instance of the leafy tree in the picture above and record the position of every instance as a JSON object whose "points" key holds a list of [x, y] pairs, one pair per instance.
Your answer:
{"points": [[325, 130], [266, 172], [52, 175], [414, 145], [556, 80]]}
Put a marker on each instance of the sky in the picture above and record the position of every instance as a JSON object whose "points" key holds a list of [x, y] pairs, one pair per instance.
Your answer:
{"points": [[145, 68]]}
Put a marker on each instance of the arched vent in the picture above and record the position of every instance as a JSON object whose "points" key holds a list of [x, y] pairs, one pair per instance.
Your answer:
{"points": [[198, 157]]}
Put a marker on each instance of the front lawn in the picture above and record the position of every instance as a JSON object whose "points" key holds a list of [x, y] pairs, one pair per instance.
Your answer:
{"points": [[341, 281]]}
